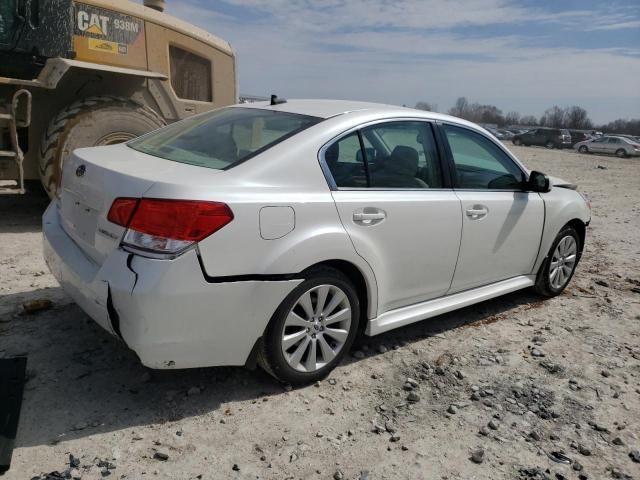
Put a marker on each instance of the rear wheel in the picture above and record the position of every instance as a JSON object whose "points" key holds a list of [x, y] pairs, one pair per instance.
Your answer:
{"points": [[620, 153], [312, 329], [560, 264], [93, 121], [583, 149]]}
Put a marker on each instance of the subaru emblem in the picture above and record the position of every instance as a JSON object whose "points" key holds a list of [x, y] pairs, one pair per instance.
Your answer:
{"points": [[80, 170]]}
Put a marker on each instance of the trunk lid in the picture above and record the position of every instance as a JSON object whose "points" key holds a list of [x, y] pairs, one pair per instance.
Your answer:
{"points": [[93, 177]]}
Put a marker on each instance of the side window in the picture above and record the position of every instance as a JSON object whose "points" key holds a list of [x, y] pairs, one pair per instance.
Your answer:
{"points": [[190, 75], [404, 155], [614, 140], [345, 161], [480, 164]]}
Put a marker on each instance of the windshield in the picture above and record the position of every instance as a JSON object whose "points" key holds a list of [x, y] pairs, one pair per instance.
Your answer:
{"points": [[222, 138]]}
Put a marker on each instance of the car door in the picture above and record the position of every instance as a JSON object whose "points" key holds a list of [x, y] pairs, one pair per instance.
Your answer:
{"points": [[388, 187], [612, 145], [501, 223], [598, 145]]}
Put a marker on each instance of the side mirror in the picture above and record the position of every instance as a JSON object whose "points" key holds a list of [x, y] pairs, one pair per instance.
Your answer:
{"points": [[538, 182]]}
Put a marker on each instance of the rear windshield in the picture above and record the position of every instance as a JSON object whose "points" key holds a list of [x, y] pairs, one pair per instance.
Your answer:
{"points": [[222, 138]]}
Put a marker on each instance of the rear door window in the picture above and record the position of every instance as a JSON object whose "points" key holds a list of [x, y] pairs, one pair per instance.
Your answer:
{"points": [[222, 138]]}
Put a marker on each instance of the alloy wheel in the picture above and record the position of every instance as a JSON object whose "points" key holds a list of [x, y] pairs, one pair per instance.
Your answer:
{"points": [[316, 328], [563, 262]]}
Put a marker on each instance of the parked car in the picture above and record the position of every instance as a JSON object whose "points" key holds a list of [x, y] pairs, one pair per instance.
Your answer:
{"points": [[577, 136], [613, 145], [506, 134], [544, 137], [496, 133], [277, 232]]}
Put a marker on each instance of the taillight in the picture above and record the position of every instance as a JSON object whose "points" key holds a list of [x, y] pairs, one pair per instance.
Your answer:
{"points": [[167, 226]]}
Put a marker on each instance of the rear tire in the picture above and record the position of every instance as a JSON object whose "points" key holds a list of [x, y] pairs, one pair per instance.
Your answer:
{"points": [[620, 153], [289, 330], [559, 257], [583, 149], [93, 121]]}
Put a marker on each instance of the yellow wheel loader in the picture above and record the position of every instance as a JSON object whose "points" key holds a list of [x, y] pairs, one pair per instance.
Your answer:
{"points": [[97, 72]]}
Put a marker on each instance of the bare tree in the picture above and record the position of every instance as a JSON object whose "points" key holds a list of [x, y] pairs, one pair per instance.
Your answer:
{"points": [[553, 117], [430, 107], [512, 118], [577, 117], [529, 120], [461, 108]]}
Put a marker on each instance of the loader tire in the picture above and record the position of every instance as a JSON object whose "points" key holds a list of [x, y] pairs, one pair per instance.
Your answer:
{"points": [[93, 121]]}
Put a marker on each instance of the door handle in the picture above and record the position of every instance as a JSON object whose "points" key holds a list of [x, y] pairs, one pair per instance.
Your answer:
{"points": [[476, 212], [369, 216]]}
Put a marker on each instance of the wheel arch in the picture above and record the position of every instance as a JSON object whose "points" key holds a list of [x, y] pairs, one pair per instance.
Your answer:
{"points": [[366, 289]]}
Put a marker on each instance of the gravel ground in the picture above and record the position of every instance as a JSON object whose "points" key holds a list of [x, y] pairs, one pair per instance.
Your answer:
{"points": [[504, 389]]}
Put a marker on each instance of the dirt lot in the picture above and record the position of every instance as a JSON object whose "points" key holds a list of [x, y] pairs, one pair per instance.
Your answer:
{"points": [[478, 382]]}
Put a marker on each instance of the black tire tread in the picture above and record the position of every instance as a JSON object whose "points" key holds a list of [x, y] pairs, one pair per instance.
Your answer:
{"points": [[53, 137]]}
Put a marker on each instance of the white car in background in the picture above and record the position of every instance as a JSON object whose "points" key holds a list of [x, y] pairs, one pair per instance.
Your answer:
{"points": [[278, 231], [620, 146]]}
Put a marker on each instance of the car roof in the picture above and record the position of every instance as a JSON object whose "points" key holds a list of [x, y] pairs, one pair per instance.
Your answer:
{"points": [[330, 108]]}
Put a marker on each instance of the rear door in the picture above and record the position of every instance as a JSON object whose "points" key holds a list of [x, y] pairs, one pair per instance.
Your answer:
{"points": [[599, 145], [502, 225], [401, 217]]}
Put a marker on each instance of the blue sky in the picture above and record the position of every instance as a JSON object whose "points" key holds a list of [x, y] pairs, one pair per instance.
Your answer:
{"points": [[519, 55]]}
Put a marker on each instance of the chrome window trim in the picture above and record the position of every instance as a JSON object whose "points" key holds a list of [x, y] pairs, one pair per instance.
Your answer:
{"points": [[329, 176], [509, 155]]}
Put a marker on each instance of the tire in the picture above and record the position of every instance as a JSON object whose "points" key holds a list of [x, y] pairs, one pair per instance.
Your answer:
{"points": [[517, 141], [278, 360], [545, 284], [103, 120], [621, 153], [583, 149], [550, 144]]}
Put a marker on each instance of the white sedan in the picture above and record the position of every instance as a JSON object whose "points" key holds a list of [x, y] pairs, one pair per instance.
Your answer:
{"points": [[276, 232]]}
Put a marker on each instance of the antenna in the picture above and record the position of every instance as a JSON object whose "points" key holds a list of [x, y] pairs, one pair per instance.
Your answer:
{"points": [[277, 101]]}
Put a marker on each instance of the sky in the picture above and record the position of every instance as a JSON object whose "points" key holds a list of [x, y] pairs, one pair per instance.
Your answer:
{"points": [[524, 55]]}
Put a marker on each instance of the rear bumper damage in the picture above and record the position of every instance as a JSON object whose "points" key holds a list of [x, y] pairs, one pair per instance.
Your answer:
{"points": [[164, 310]]}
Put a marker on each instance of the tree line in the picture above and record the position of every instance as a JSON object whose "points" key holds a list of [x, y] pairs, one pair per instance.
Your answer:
{"points": [[571, 117]]}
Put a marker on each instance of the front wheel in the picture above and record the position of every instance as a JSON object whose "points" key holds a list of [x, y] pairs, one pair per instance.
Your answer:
{"points": [[620, 153], [583, 149], [312, 329], [560, 264]]}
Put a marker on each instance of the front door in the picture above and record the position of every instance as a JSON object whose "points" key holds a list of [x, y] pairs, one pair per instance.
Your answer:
{"points": [[501, 224], [391, 199]]}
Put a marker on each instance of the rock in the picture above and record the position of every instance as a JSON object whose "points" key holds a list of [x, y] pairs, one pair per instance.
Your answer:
{"points": [[601, 167], [413, 397], [460, 374], [537, 352], [475, 396], [235, 467], [535, 436], [634, 455], [477, 456], [605, 373], [332, 381], [394, 438], [404, 448], [553, 436], [358, 354], [616, 473], [493, 425], [382, 349], [407, 386], [364, 475], [484, 431], [74, 473], [577, 466], [34, 306], [452, 409], [618, 441], [193, 391], [338, 475], [475, 388], [412, 382], [602, 283], [161, 456], [73, 461], [584, 450], [439, 371]]}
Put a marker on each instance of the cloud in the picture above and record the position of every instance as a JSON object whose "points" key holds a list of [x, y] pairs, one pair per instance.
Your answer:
{"points": [[411, 50]]}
